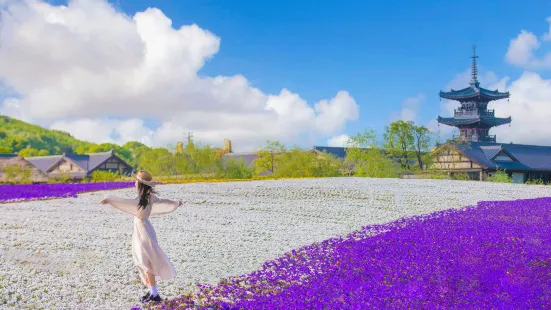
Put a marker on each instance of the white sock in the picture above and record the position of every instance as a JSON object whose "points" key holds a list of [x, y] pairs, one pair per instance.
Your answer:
{"points": [[154, 291]]}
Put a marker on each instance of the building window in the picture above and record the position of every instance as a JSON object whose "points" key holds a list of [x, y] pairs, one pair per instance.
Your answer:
{"points": [[112, 166], [65, 167]]}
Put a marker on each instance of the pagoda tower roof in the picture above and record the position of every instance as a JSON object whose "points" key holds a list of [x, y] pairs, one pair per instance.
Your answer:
{"points": [[474, 92], [490, 122]]}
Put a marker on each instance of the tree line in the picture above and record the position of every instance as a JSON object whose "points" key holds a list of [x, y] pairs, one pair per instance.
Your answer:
{"points": [[403, 148]]}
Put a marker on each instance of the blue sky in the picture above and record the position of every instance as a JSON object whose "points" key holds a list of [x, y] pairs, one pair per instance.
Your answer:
{"points": [[382, 52]]}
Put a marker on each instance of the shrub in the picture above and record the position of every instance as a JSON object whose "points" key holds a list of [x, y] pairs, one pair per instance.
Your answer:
{"points": [[234, 169], [461, 176], [535, 182], [105, 176], [500, 176], [18, 174]]}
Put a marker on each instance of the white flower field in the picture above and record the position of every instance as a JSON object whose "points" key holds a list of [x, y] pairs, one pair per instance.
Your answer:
{"points": [[75, 253]]}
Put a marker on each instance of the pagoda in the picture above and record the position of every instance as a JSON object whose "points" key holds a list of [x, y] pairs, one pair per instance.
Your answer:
{"points": [[473, 118]]}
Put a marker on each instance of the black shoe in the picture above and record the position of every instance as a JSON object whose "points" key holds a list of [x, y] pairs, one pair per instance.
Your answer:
{"points": [[146, 297], [156, 298]]}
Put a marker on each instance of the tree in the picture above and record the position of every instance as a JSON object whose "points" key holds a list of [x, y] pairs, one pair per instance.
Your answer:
{"points": [[367, 157], [423, 138], [28, 152], [306, 163], [268, 157], [400, 142], [231, 168], [5, 149]]}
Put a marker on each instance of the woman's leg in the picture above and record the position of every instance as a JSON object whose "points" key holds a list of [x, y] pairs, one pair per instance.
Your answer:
{"points": [[150, 279], [152, 284]]}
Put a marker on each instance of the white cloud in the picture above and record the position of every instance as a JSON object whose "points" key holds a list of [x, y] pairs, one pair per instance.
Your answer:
{"points": [[547, 35], [80, 67], [530, 110], [338, 141], [521, 50], [11, 107], [409, 110]]}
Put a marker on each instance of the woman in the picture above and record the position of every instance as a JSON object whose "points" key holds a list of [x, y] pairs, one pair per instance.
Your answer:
{"points": [[152, 262]]}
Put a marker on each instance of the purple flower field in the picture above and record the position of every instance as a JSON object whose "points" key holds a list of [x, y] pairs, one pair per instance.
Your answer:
{"points": [[22, 192], [496, 255]]}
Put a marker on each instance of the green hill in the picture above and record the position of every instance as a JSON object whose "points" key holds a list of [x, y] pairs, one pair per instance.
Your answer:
{"points": [[31, 140]]}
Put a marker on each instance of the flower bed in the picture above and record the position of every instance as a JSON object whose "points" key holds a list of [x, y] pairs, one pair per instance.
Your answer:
{"points": [[496, 256], [76, 253], [22, 192]]}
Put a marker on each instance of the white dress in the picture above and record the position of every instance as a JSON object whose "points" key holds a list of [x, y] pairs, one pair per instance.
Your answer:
{"points": [[147, 254]]}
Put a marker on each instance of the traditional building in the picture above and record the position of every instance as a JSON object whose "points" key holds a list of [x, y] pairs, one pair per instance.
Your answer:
{"points": [[477, 154], [14, 168], [80, 166], [480, 160], [473, 118]]}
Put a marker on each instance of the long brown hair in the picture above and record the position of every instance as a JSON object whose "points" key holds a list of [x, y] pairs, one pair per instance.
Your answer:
{"points": [[144, 192]]}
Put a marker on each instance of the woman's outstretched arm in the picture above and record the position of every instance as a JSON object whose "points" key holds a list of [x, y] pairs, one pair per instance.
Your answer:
{"points": [[163, 206], [128, 206]]}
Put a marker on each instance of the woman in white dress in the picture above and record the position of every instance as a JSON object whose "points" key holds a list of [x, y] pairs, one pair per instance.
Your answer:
{"points": [[152, 262]]}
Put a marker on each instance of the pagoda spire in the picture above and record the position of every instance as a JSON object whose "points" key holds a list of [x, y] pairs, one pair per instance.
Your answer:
{"points": [[474, 69]]}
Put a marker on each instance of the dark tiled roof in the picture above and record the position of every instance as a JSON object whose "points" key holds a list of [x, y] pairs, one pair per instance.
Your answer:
{"points": [[472, 92], [530, 157], [87, 162], [490, 151], [8, 155], [339, 152], [44, 163], [248, 158], [493, 121], [97, 159], [81, 160]]}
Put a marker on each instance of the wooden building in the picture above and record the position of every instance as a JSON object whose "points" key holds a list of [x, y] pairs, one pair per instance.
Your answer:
{"points": [[481, 160], [80, 166], [14, 168]]}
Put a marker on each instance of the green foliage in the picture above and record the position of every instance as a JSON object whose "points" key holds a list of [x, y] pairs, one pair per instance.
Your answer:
{"points": [[399, 142], [461, 176], [63, 177], [18, 174], [306, 163], [269, 158], [232, 168], [535, 182], [422, 141], [367, 157], [500, 176], [404, 141], [17, 135], [5, 149], [105, 176]]}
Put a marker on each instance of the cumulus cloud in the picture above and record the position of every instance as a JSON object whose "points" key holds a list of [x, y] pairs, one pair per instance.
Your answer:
{"points": [[338, 141], [409, 110], [522, 50], [97, 73]]}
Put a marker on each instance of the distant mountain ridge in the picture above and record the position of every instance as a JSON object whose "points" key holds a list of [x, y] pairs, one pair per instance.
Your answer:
{"points": [[29, 140]]}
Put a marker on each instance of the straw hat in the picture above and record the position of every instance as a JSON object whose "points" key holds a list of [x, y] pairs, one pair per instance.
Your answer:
{"points": [[144, 177]]}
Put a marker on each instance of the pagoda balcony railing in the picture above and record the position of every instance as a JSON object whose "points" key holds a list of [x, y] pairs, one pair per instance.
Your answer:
{"points": [[488, 113], [473, 113], [476, 138]]}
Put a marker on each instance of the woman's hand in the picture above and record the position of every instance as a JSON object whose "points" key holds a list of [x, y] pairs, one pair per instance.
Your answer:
{"points": [[103, 202], [180, 203]]}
